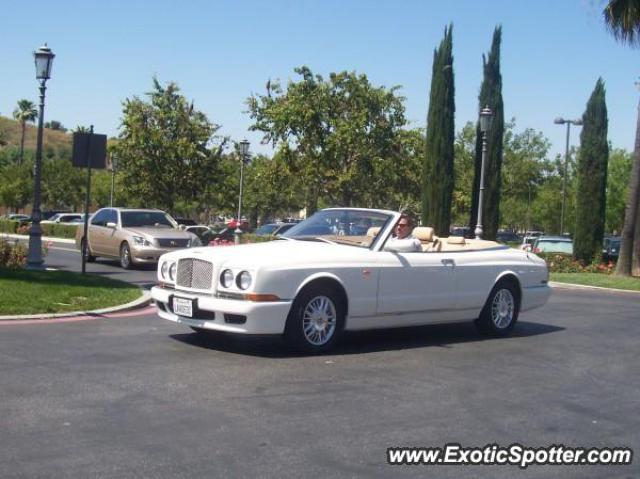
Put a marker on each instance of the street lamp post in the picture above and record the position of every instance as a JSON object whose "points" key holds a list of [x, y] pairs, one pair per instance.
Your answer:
{"points": [[43, 59], [562, 121], [486, 116], [244, 151]]}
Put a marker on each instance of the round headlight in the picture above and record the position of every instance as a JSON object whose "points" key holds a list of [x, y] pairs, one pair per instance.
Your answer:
{"points": [[172, 271], [226, 278], [164, 269], [243, 280]]}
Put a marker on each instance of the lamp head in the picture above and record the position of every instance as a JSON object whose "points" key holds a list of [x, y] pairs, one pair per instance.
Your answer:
{"points": [[486, 117], [44, 59]]}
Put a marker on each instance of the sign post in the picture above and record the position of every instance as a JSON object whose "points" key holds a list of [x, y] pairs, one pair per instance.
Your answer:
{"points": [[89, 151]]}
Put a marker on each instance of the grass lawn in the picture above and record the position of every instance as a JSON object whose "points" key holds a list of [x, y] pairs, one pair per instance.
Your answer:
{"points": [[31, 292], [597, 279]]}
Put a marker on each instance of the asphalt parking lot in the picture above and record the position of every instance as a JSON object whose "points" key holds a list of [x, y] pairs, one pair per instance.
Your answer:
{"points": [[142, 397]]}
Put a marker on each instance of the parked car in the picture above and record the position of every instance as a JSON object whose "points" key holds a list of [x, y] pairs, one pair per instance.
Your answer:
{"points": [[507, 236], [274, 229], [185, 221], [529, 238], [464, 231], [134, 236], [611, 248], [311, 284], [47, 214], [65, 218], [18, 217], [553, 244]]}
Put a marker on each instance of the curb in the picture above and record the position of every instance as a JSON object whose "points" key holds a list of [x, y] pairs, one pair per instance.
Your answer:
{"points": [[555, 284], [145, 300]]}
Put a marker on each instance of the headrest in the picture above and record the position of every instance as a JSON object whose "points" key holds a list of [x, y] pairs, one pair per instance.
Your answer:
{"points": [[455, 240], [373, 231], [423, 233]]}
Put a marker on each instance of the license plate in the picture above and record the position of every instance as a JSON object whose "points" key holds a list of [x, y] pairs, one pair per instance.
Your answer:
{"points": [[183, 307]]}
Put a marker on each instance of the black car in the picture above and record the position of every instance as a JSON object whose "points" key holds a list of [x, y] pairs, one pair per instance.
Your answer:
{"points": [[185, 221], [611, 248], [507, 236]]}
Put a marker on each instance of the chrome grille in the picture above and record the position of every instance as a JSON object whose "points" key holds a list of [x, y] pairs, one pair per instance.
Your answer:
{"points": [[173, 243], [194, 273]]}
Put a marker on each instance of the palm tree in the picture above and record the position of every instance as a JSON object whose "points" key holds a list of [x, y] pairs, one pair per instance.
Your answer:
{"points": [[622, 18], [25, 112]]}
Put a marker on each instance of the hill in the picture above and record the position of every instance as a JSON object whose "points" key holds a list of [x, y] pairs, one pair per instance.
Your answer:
{"points": [[10, 132]]}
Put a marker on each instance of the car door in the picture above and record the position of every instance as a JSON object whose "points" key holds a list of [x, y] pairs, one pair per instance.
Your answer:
{"points": [[96, 233], [113, 234], [419, 283]]}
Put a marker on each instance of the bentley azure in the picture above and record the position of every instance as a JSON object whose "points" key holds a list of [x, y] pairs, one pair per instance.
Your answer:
{"points": [[341, 270]]}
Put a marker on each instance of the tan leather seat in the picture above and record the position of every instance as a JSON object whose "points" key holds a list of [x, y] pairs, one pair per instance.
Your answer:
{"points": [[430, 242], [373, 231]]}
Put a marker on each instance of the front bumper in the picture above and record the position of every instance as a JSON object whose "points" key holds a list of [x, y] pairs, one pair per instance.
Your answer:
{"points": [[149, 254], [261, 317], [534, 297]]}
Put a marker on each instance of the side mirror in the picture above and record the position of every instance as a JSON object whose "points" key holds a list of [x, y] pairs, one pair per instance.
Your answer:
{"points": [[110, 224], [181, 227]]}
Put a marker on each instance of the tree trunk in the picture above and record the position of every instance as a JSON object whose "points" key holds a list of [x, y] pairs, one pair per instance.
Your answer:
{"points": [[24, 127], [635, 256], [623, 268]]}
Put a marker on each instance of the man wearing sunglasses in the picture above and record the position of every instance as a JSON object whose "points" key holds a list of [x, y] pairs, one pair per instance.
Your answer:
{"points": [[402, 239]]}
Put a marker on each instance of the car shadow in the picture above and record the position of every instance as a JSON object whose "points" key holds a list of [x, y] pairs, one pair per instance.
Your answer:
{"points": [[360, 342]]}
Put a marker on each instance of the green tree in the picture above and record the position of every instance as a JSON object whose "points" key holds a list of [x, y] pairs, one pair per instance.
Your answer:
{"points": [[622, 17], [438, 179], [524, 169], [55, 125], [24, 113], [167, 150], [337, 128], [63, 185], [618, 173], [16, 185], [592, 176], [491, 96], [464, 159]]}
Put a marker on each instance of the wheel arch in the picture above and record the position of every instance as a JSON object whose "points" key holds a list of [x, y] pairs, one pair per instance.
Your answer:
{"points": [[510, 277], [325, 279]]}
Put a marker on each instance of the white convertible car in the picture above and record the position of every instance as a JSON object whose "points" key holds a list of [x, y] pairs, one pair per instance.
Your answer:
{"points": [[337, 271]]}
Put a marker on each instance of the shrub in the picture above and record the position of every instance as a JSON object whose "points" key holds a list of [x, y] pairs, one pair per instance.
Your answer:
{"points": [[12, 254], [562, 263]]}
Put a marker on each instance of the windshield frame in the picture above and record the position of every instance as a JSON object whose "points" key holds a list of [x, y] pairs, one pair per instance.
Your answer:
{"points": [[388, 218]]}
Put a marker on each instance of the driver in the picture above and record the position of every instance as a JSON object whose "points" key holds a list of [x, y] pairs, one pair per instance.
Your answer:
{"points": [[402, 239]]}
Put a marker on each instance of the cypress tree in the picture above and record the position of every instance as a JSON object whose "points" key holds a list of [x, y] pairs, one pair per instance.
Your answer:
{"points": [[491, 96], [592, 177], [437, 176]]}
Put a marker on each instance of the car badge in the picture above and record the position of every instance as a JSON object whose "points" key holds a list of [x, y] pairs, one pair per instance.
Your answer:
{"points": [[173, 243]]}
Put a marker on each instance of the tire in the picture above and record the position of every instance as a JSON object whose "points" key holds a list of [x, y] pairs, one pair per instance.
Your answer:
{"points": [[500, 313], [86, 251], [316, 320], [126, 261]]}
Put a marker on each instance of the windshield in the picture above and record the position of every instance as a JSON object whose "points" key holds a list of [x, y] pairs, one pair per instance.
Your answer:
{"points": [[146, 218], [266, 229], [351, 227], [554, 247]]}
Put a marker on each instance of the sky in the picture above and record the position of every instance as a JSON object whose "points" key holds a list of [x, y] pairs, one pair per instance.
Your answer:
{"points": [[221, 52]]}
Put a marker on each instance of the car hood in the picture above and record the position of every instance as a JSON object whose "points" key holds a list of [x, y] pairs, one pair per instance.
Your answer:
{"points": [[158, 232], [277, 253]]}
